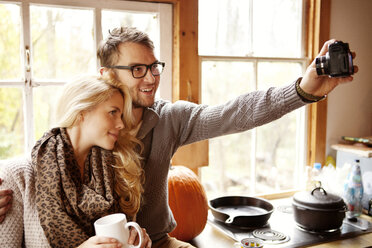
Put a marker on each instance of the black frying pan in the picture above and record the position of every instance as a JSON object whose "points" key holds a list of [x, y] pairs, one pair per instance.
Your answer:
{"points": [[241, 211]]}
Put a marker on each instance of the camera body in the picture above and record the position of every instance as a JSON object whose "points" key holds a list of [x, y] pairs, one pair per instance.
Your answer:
{"points": [[338, 61]]}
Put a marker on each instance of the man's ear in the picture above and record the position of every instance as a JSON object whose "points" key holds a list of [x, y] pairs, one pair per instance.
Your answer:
{"points": [[102, 70]]}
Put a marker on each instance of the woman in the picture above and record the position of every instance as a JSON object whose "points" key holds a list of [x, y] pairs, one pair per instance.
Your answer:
{"points": [[86, 168]]}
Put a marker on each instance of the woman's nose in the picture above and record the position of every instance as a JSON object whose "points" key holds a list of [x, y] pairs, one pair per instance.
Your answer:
{"points": [[120, 124]]}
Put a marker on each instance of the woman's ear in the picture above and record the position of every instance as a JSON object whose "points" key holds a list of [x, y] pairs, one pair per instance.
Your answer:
{"points": [[80, 118]]}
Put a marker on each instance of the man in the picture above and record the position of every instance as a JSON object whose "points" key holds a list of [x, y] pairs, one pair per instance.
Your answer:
{"points": [[128, 55]]}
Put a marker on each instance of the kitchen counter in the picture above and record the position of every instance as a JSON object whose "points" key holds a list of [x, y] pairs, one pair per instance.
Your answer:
{"points": [[212, 236]]}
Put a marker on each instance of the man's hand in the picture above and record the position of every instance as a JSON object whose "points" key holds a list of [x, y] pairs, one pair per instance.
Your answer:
{"points": [[5, 202], [317, 85]]}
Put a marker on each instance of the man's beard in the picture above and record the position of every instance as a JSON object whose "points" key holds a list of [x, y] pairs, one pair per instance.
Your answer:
{"points": [[140, 104]]}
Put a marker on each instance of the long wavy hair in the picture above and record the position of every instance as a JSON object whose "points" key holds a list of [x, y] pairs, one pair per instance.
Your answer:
{"points": [[86, 93]]}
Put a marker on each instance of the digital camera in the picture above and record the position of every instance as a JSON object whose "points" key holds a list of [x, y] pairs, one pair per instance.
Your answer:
{"points": [[338, 61]]}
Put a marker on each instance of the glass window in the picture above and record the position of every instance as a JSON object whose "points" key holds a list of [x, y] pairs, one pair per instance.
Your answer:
{"points": [[276, 141], [277, 27], [256, 45], [62, 42], [223, 81], [261, 28], [11, 122], [147, 22], [45, 99], [217, 35], [10, 59]]}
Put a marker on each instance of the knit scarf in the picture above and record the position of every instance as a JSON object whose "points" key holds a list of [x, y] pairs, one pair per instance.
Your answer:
{"points": [[68, 206]]}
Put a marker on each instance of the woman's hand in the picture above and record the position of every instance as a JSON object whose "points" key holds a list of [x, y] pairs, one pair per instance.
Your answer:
{"points": [[317, 85], [5, 202], [134, 238], [100, 242]]}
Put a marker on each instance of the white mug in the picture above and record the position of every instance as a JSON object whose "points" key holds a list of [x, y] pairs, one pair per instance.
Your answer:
{"points": [[116, 226]]}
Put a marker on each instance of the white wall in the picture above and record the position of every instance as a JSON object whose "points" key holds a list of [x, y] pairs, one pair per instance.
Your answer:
{"points": [[350, 105]]}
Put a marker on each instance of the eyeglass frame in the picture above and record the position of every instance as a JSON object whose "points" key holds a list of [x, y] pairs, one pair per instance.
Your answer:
{"points": [[126, 67]]}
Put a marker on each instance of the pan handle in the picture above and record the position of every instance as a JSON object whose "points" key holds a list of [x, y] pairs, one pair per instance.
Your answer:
{"points": [[230, 220]]}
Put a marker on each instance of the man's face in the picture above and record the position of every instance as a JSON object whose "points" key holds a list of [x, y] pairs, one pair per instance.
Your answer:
{"points": [[142, 90]]}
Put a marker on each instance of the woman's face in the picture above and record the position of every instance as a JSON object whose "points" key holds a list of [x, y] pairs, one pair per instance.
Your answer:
{"points": [[101, 126]]}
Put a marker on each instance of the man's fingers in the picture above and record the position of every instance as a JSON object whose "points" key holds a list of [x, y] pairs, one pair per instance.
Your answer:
{"points": [[4, 209], [324, 49], [2, 218], [353, 54], [5, 192], [4, 200]]}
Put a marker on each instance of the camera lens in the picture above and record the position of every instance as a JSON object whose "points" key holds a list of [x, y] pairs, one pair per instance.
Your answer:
{"points": [[322, 65]]}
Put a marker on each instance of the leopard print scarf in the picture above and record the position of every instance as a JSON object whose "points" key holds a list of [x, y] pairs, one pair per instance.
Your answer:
{"points": [[68, 206]]}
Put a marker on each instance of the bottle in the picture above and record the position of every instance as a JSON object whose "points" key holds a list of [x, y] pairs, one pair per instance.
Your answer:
{"points": [[313, 174], [353, 191]]}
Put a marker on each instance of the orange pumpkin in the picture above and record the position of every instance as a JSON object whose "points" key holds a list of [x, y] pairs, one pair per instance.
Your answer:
{"points": [[188, 202]]}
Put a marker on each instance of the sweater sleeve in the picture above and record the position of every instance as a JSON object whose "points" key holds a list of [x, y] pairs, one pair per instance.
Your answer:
{"points": [[198, 122], [12, 228], [21, 224]]}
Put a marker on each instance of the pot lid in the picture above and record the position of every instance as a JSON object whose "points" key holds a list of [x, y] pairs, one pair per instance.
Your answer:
{"points": [[318, 198]]}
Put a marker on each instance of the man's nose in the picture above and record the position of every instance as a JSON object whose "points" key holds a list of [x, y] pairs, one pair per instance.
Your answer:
{"points": [[149, 77]]}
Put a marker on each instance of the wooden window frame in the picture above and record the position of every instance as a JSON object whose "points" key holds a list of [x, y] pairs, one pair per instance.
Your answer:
{"points": [[317, 32]]}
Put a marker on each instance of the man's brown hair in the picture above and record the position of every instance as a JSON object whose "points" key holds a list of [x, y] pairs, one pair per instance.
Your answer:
{"points": [[107, 51]]}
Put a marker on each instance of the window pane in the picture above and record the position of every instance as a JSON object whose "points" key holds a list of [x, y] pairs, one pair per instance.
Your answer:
{"points": [[45, 100], [228, 170], [10, 60], [62, 42], [224, 27], [277, 28], [277, 74], [261, 28], [11, 123], [276, 141], [147, 22]]}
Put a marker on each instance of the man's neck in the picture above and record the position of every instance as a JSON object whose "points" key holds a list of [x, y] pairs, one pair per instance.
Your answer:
{"points": [[138, 114]]}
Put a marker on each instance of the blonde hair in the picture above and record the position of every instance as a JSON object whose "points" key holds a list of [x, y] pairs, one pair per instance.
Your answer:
{"points": [[85, 94]]}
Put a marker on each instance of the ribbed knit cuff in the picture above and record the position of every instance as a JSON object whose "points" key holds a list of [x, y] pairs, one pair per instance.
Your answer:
{"points": [[306, 97]]}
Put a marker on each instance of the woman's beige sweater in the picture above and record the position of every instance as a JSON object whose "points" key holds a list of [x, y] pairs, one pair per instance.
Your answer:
{"points": [[18, 175]]}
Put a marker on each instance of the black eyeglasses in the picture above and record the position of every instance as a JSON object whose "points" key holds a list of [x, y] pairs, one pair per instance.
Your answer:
{"points": [[139, 71]]}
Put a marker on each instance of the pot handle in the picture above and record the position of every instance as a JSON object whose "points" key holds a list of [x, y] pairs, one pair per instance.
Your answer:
{"points": [[320, 189], [344, 209]]}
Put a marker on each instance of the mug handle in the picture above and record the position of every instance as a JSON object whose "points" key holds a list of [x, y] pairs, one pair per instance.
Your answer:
{"points": [[139, 231]]}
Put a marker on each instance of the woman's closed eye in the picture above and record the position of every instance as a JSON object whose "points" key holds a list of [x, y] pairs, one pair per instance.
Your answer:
{"points": [[114, 112]]}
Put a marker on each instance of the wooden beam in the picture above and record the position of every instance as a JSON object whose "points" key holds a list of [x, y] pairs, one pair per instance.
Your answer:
{"points": [[188, 86], [317, 29]]}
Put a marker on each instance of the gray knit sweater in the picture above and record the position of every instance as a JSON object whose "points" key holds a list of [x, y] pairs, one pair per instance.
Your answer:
{"points": [[167, 126]]}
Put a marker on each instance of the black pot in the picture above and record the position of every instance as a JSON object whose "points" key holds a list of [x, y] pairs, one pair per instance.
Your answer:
{"points": [[318, 211]]}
